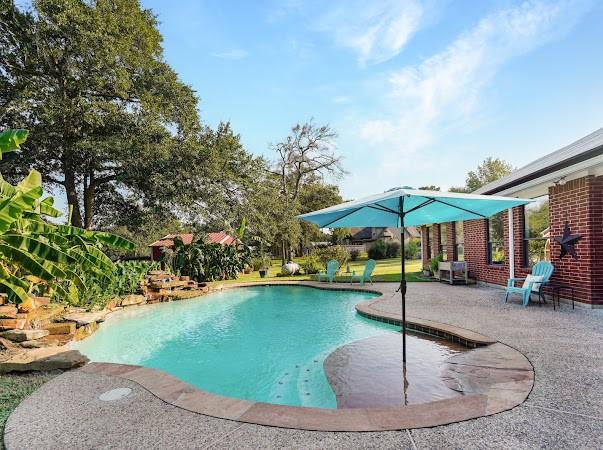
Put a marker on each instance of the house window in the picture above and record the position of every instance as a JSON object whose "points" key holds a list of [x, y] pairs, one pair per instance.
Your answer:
{"points": [[536, 231], [429, 241], [443, 241], [496, 244], [459, 241]]}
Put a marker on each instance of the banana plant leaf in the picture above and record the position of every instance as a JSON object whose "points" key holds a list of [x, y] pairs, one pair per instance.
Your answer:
{"points": [[11, 140], [44, 270], [36, 247]]}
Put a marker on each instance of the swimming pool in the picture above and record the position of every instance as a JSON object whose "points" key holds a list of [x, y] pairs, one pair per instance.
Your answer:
{"points": [[262, 343]]}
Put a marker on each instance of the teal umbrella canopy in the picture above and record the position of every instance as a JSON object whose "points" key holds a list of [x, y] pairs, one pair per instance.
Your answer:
{"points": [[410, 207]]}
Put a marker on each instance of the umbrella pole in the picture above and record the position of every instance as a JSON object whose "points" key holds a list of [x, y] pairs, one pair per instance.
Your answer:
{"points": [[403, 281], [403, 291]]}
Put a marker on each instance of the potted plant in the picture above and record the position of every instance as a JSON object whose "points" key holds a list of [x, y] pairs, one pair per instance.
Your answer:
{"points": [[266, 263], [434, 264]]}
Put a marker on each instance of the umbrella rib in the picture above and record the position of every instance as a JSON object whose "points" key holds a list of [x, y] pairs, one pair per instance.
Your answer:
{"points": [[342, 217], [458, 207], [425, 203], [383, 209]]}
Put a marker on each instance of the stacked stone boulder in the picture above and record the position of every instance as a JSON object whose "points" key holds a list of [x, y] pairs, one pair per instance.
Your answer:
{"points": [[33, 334], [159, 286], [28, 337]]}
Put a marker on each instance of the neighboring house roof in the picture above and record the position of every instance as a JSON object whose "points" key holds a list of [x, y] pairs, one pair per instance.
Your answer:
{"points": [[362, 233], [367, 233], [219, 237], [590, 146], [413, 232], [168, 240]]}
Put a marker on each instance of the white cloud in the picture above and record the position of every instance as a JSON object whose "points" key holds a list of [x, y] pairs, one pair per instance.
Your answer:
{"points": [[236, 53], [444, 90], [341, 99], [376, 31]]}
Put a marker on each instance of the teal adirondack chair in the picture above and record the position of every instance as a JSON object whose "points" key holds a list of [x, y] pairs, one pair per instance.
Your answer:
{"points": [[544, 269], [366, 275], [329, 274]]}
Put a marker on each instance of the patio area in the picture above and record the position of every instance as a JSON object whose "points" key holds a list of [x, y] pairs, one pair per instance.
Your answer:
{"points": [[562, 411]]}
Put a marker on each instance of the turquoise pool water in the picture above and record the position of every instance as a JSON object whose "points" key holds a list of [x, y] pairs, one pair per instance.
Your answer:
{"points": [[264, 343]]}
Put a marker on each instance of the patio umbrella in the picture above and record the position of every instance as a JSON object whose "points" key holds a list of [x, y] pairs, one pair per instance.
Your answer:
{"points": [[410, 207]]}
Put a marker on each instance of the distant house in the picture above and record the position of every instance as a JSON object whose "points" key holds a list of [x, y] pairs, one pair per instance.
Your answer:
{"points": [[219, 237], [368, 235]]}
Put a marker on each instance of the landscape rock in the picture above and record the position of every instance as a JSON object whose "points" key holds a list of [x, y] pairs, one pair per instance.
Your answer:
{"points": [[49, 358], [130, 300], [85, 331], [23, 335], [52, 340], [11, 324], [290, 268], [8, 312], [8, 345], [45, 313], [61, 327], [113, 304], [41, 301], [85, 318]]}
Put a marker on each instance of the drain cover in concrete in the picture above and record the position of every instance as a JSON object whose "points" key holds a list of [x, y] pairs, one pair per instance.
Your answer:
{"points": [[115, 394]]}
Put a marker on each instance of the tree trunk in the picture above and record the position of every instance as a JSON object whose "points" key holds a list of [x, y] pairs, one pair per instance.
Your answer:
{"points": [[72, 199], [283, 252], [89, 188]]}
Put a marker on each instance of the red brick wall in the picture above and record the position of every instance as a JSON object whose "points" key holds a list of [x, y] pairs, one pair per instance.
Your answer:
{"points": [[595, 206], [580, 203]]}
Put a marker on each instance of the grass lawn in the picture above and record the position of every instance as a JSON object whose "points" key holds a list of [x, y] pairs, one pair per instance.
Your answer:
{"points": [[386, 270], [14, 388]]}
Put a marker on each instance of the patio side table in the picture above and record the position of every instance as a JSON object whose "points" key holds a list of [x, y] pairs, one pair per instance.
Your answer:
{"points": [[556, 289]]}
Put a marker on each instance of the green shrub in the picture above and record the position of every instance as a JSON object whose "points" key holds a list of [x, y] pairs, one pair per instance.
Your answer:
{"points": [[354, 254], [392, 249], [336, 252], [207, 262], [433, 265], [378, 250], [256, 263], [312, 264], [412, 248], [261, 262]]}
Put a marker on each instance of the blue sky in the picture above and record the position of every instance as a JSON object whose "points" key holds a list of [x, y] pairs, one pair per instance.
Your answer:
{"points": [[419, 91]]}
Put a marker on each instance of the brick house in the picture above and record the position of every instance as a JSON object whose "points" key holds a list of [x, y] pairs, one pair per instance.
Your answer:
{"points": [[368, 235], [567, 187]]}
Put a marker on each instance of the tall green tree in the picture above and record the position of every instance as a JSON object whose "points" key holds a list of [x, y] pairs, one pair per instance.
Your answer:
{"points": [[105, 111], [491, 169], [307, 154], [317, 195]]}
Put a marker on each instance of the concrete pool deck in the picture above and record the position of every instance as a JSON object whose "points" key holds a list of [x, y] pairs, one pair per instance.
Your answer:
{"points": [[563, 410]]}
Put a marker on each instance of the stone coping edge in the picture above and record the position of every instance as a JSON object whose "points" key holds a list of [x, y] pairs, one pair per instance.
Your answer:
{"points": [[182, 395], [452, 333]]}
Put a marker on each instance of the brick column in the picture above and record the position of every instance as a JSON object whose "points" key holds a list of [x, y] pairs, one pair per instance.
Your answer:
{"points": [[451, 240], [425, 256], [435, 247]]}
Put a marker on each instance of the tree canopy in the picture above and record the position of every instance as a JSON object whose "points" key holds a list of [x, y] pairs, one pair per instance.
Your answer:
{"points": [[106, 114], [491, 169], [114, 128]]}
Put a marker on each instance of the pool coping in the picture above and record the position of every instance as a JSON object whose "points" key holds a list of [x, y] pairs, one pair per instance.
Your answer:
{"points": [[512, 384]]}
